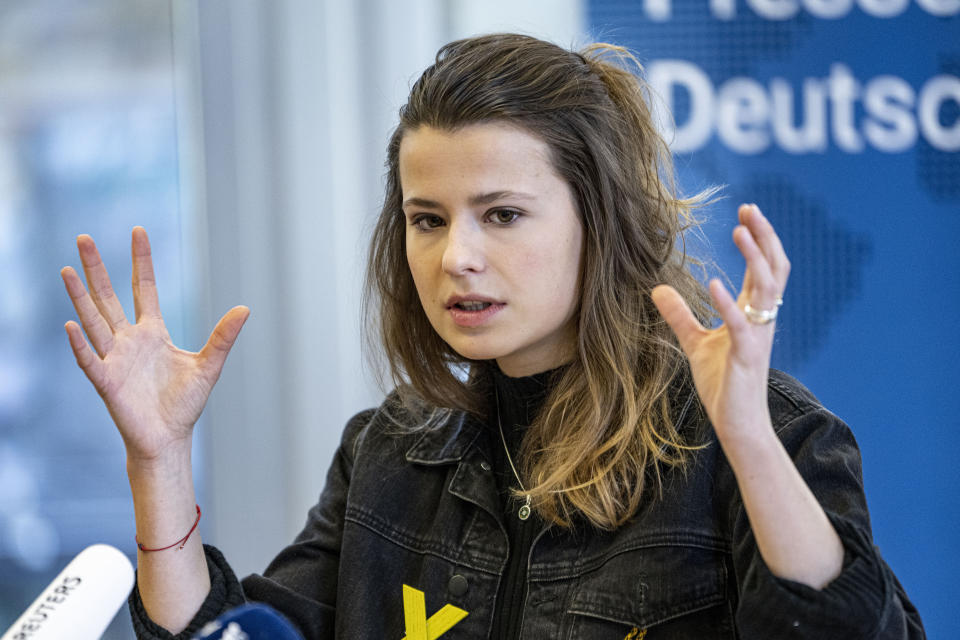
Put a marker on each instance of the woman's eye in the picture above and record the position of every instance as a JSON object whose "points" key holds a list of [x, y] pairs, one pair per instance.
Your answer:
{"points": [[504, 216], [426, 222]]}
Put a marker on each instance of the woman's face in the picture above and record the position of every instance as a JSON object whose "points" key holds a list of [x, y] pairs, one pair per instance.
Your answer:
{"points": [[494, 243]]}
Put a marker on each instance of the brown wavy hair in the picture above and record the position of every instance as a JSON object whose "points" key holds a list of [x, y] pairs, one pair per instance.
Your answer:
{"points": [[608, 426]]}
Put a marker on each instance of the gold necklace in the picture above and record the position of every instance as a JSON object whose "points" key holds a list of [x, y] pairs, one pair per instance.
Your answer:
{"points": [[524, 511]]}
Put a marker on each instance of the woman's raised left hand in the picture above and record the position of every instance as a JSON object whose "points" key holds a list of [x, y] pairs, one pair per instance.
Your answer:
{"points": [[730, 366], [730, 363]]}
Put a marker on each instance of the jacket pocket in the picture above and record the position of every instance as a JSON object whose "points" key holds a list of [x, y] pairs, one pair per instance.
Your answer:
{"points": [[668, 591]]}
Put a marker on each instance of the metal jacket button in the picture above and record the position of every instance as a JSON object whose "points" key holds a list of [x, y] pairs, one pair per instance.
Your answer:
{"points": [[457, 585]]}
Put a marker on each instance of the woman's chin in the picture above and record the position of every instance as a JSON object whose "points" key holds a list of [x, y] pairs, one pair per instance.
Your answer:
{"points": [[476, 353]]}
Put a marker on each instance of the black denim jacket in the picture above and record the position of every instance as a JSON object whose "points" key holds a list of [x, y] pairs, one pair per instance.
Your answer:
{"points": [[421, 509]]}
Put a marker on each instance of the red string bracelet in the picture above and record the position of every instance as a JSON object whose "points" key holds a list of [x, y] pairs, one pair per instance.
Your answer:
{"points": [[182, 541]]}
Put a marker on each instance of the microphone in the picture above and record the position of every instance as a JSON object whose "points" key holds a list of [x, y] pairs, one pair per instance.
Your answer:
{"points": [[249, 622], [81, 601]]}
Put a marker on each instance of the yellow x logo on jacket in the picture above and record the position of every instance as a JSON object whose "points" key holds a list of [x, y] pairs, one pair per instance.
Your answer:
{"points": [[417, 626]]}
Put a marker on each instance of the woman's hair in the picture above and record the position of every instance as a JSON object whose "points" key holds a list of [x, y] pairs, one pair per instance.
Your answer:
{"points": [[608, 426]]}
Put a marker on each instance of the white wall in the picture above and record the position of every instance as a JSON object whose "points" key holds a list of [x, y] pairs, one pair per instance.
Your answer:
{"points": [[559, 21]]}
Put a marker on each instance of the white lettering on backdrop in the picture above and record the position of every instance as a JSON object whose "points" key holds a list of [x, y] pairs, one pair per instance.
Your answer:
{"points": [[661, 10], [885, 112]]}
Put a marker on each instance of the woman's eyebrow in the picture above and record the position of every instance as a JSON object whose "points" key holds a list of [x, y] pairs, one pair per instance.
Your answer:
{"points": [[493, 196], [482, 198]]}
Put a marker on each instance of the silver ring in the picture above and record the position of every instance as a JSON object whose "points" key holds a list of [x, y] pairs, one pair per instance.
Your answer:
{"points": [[762, 316]]}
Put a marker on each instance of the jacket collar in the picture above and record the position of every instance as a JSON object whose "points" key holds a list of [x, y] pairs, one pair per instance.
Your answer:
{"points": [[448, 440]]}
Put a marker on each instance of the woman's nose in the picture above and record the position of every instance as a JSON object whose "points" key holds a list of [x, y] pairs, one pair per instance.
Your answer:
{"points": [[463, 252]]}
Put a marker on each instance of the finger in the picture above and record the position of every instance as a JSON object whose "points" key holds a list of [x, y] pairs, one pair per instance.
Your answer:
{"points": [[218, 346], [88, 362], [769, 242], [730, 313], [677, 314], [98, 283], [93, 323], [760, 288], [145, 300]]}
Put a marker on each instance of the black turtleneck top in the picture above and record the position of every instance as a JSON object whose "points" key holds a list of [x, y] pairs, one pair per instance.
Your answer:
{"points": [[519, 400]]}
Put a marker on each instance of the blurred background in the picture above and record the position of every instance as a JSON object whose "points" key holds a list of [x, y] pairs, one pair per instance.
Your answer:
{"points": [[248, 138]]}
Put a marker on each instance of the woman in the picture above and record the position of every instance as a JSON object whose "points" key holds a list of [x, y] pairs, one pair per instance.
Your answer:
{"points": [[569, 451]]}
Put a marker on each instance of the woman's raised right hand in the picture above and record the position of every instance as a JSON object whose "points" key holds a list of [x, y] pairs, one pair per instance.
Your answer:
{"points": [[154, 391]]}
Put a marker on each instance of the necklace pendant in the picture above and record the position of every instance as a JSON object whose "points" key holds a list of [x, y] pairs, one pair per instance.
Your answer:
{"points": [[524, 512]]}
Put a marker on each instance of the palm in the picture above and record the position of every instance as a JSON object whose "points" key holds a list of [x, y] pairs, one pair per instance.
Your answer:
{"points": [[146, 375], [154, 391], [730, 385]]}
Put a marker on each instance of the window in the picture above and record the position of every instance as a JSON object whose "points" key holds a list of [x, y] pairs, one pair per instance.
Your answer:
{"points": [[88, 144]]}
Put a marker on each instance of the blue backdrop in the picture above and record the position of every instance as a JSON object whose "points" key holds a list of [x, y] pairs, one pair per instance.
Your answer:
{"points": [[841, 119]]}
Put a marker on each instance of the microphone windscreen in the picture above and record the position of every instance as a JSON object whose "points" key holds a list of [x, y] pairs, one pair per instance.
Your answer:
{"points": [[81, 601], [249, 622]]}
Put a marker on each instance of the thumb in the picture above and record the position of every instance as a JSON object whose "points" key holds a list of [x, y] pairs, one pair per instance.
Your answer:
{"points": [[677, 314], [218, 346]]}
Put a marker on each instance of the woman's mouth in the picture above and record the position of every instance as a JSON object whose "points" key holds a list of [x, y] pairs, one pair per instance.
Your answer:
{"points": [[472, 306], [473, 313]]}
